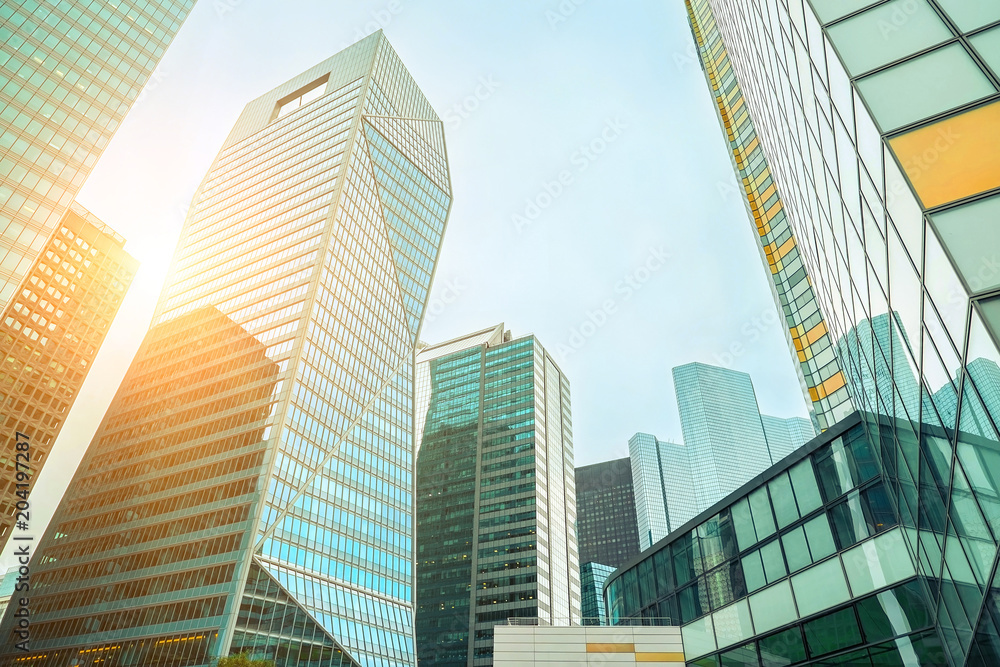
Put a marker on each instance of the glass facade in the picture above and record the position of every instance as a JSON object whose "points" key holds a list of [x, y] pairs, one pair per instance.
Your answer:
{"points": [[661, 478], [606, 528], [784, 436], [809, 565], [878, 120], [69, 72], [496, 505], [592, 578], [50, 333], [251, 487]]}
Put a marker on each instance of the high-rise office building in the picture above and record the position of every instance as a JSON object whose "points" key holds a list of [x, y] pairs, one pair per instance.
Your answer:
{"points": [[69, 72], [726, 442], [878, 122], [496, 505], [663, 483], [606, 528], [592, 579], [784, 436], [250, 488], [723, 432], [50, 334]]}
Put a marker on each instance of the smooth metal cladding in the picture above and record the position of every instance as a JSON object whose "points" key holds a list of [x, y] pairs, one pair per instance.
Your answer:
{"points": [[69, 72], [278, 426], [878, 120]]}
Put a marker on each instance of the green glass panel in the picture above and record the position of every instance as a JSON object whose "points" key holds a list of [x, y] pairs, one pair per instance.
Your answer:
{"points": [[916, 89], [971, 14], [820, 537], [774, 564], [820, 587], [773, 607], [796, 549], [743, 523], [971, 235], [832, 632], [831, 10], [887, 32], [753, 571], [988, 45], [744, 656], [760, 507], [878, 563], [806, 489], [733, 624], [875, 620], [784, 501], [783, 648], [698, 638]]}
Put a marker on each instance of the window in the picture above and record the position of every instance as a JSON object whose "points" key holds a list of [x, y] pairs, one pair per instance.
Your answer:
{"points": [[301, 97]]}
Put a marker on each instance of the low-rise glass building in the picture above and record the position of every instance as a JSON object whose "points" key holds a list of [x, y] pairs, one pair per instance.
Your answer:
{"points": [[809, 563]]}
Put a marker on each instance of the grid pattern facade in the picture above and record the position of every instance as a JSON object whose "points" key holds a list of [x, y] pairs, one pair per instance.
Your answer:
{"points": [[69, 72], [879, 119], [806, 331], [722, 429], [808, 565], [314, 235], [606, 528], [496, 504], [652, 520], [784, 436], [592, 578], [49, 335]]}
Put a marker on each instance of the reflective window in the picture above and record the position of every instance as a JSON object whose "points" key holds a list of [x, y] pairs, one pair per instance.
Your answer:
{"points": [[925, 86], [971, 14], [970, 234]]}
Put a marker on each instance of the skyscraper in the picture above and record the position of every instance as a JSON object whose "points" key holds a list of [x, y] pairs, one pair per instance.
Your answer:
{"points": [[592, 578], [496, 505], [606, 528], [50, 334], [878, 121], [250, 488], [69, 72], [663, 483], [784, 436]]}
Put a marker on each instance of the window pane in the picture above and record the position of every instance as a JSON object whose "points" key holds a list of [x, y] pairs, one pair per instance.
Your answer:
{"points": [[971, 14], [784, 502], [760, 506], [971, 236], [783, 648], [732, 624], [878, 563], [832, 632], [796, 550], [806, 489], [877, 37], [773, 607], [743, 524], [820, 538], [744, 656], [753, 571], [774, 564], [698, 638], [828, 11], [922, 87], [849, 524], [820, 587]]}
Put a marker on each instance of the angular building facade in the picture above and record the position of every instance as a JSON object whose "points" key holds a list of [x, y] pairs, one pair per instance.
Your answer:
{"points": [[496, 505], [663, 483], [251, 486], [592, 579], [878, 122], [50, 334], [606, 528], [69, 72]]}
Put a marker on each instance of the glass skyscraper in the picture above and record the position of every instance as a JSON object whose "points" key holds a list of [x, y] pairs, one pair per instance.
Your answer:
{"points": [[593, 576], [606, 528], [50, 333], [663, 483], [251, 486], [878, 121], [69, 72], [496, 504]]}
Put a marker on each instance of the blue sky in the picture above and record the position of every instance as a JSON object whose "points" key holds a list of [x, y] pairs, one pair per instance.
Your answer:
{"points": [[595, 204]]}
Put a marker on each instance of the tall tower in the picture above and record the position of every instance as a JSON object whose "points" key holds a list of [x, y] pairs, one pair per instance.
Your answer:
{"points": [[69, 72], [251, 486], [496, 505], [606, 527], [879, 122], [50, 333]]}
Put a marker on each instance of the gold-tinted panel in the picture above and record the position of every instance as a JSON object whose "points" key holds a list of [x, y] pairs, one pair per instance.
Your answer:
{"points": [[952, 158]]}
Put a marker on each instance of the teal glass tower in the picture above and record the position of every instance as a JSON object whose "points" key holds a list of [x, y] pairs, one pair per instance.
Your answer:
{"points": [[69, 72], [496, 503], [251, 486]]}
